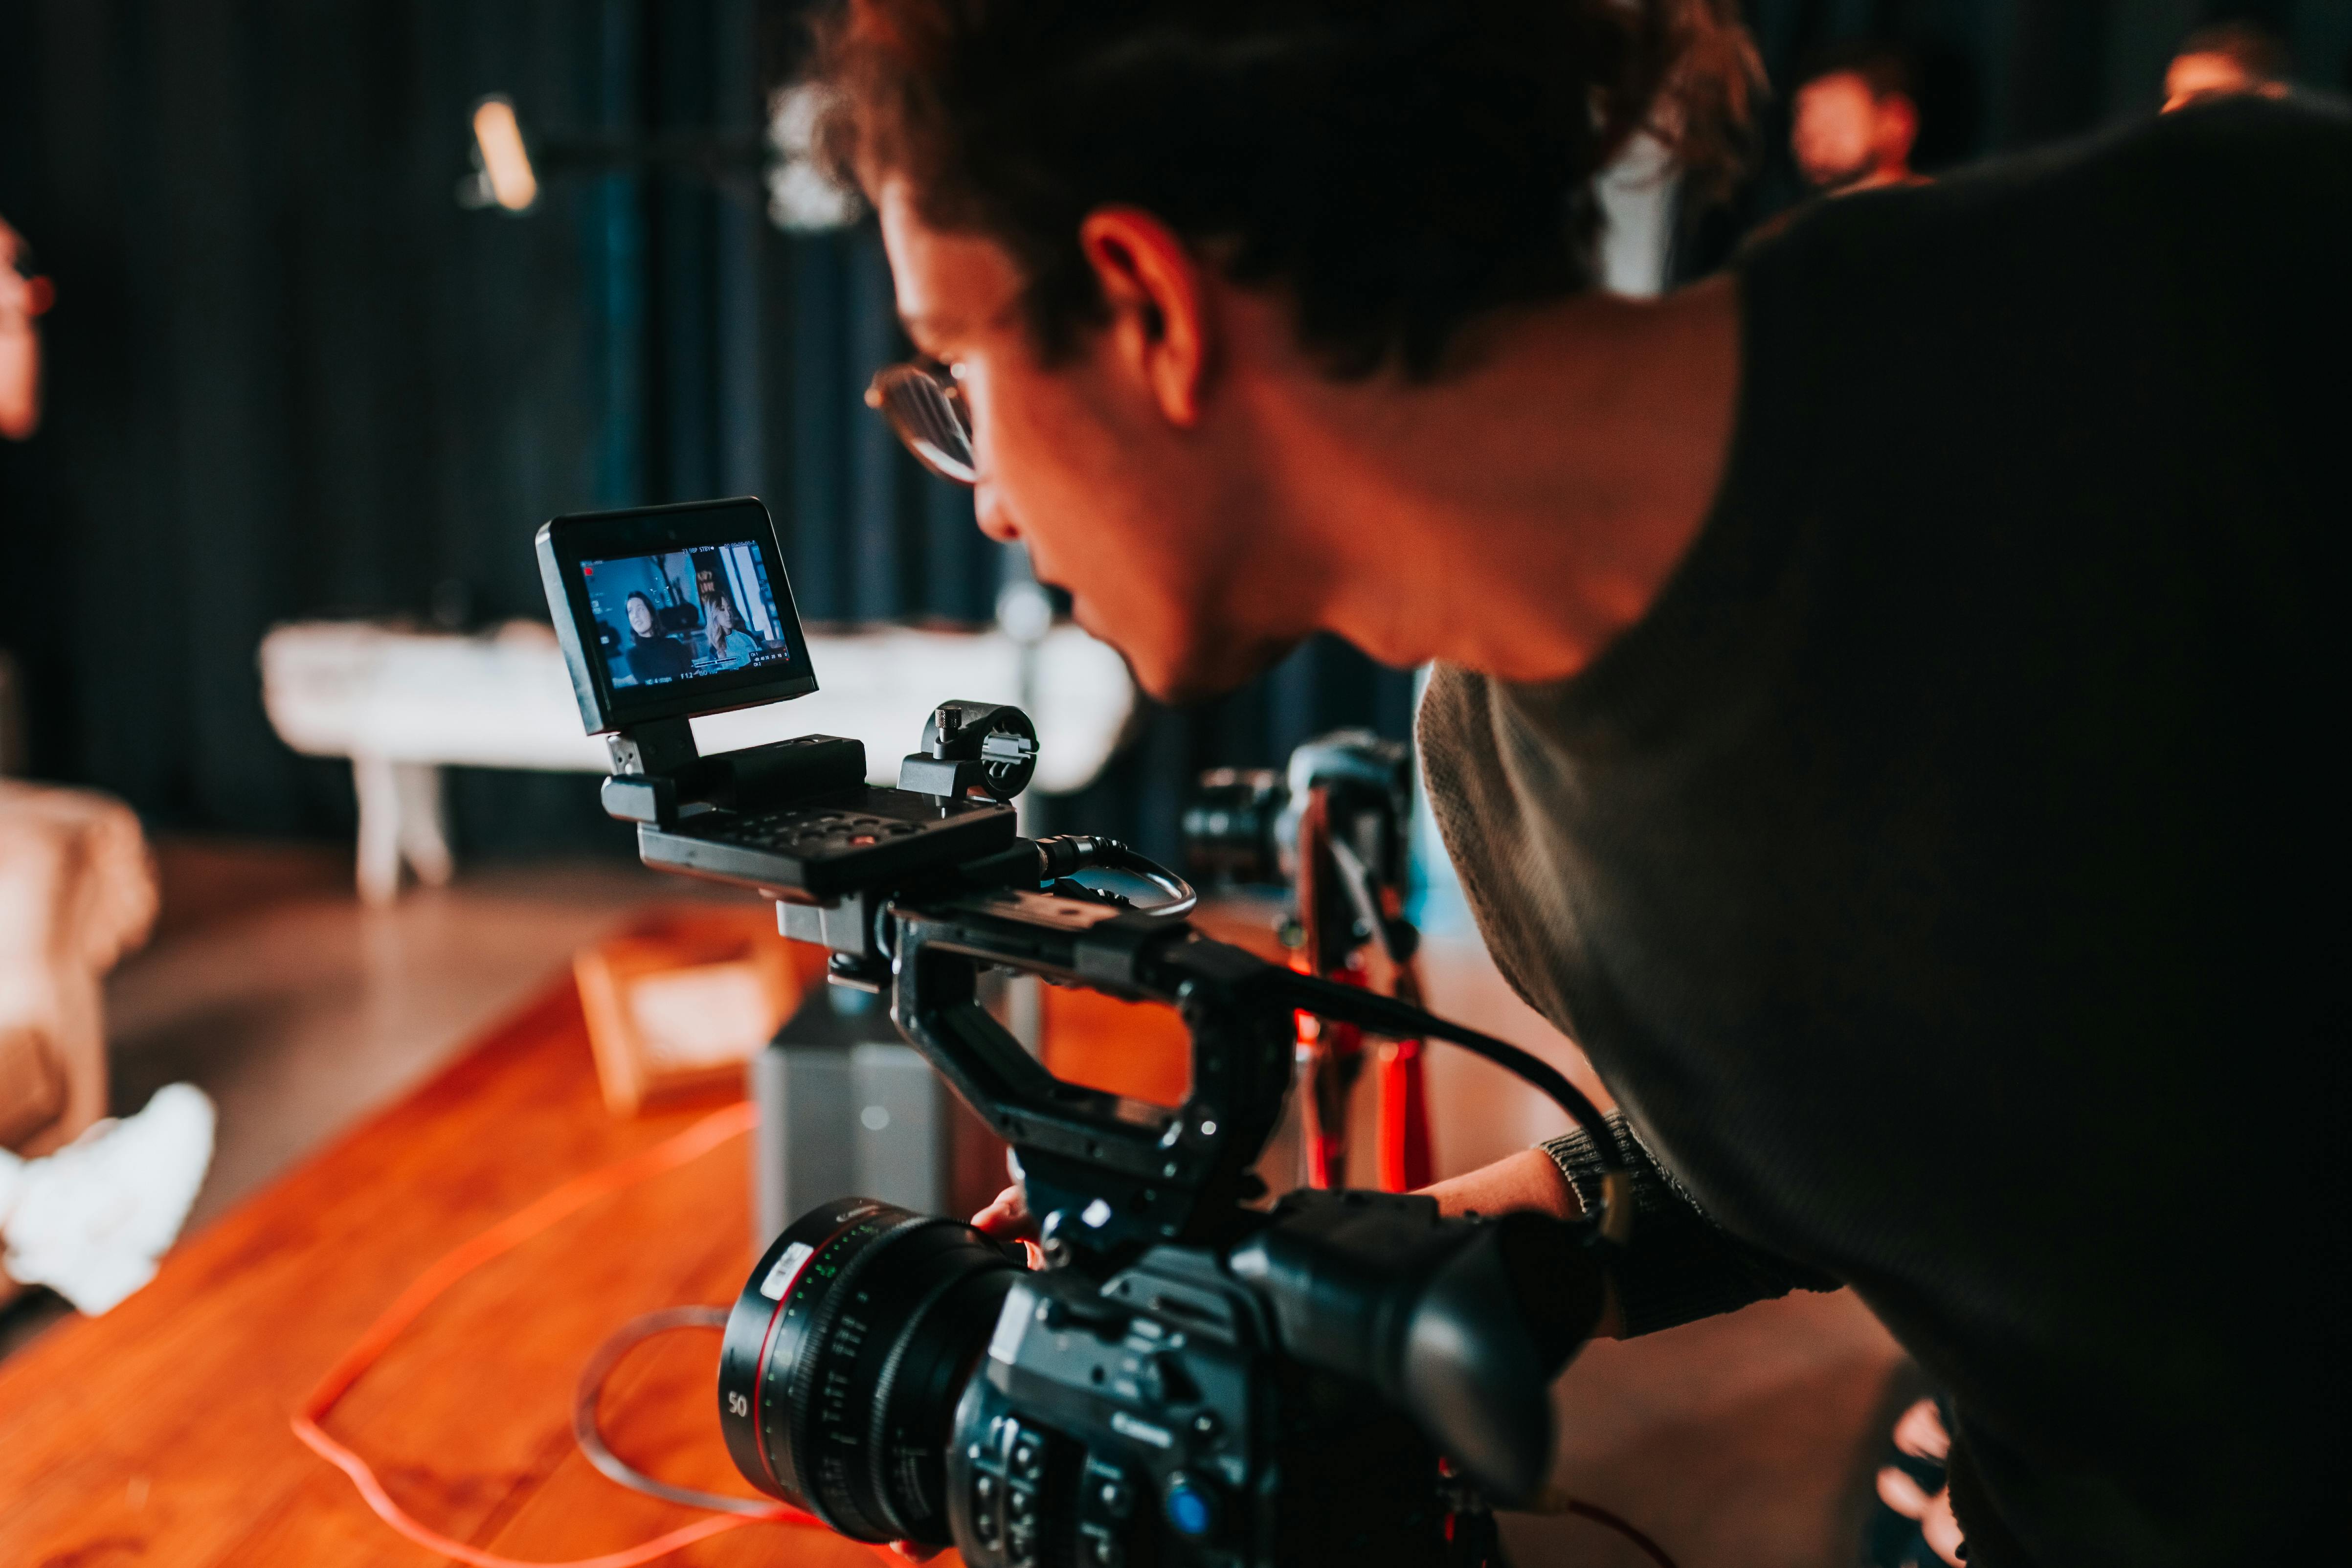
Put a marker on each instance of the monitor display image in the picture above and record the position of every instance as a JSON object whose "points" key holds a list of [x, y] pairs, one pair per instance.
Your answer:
{"points": [[660, 620]]}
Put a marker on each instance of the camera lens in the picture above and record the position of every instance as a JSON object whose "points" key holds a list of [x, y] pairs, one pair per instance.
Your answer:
{"points": [[1229, 826], [844, 1360]]}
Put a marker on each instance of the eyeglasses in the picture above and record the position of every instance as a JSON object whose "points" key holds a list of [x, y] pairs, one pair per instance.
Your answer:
{"points": [[927, 408]]}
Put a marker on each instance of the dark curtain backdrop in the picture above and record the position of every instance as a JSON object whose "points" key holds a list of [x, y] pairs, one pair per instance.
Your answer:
{"points": [[290, 376]]}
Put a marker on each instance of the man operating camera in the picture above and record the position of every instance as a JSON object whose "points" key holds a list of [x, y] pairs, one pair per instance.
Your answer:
{"points": [[1875, 691]]}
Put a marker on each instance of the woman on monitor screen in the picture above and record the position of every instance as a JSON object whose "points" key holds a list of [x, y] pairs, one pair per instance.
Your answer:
{"points": [[730, 645], [653, 655]]}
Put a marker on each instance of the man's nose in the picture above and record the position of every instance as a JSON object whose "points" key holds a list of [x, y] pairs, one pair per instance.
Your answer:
{"points": [[995, 517]]}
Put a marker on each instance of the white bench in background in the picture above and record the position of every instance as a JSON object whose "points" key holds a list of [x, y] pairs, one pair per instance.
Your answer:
{"points": [[403, 704]]}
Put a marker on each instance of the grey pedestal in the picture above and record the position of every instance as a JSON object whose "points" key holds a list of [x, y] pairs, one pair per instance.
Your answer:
{"points": [[846, 1107]]}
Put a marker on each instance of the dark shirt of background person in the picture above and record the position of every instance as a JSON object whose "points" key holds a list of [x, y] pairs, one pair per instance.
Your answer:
{"points": [[2228, 59]]}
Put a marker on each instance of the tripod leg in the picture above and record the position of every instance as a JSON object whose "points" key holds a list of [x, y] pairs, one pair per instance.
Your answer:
{"points": [[1329, 1057], [1405, 1163]]}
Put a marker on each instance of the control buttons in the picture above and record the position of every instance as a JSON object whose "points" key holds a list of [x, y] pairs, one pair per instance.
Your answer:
{"points": [[1106, 1501], [1191, 1506], [984, 1522], [824, 832], [1024, 1473]]}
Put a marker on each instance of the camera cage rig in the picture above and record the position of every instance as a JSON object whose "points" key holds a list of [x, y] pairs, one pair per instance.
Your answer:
{"points": [[1105, 1176], [1113, 1181], [915, 890]]}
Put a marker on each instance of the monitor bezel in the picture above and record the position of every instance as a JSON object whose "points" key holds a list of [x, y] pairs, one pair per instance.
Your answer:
{"points": [[567, 543]]}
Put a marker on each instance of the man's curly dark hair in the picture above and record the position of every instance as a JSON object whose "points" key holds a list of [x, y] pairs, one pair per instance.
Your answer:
{"points": [[1398, 167]]}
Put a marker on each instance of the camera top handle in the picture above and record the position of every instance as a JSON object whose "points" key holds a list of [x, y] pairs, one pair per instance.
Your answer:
{"points": [[1107, 1176]]}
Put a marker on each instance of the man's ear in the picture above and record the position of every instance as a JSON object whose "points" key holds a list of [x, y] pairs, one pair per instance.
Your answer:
{"points": [[1158, 301]]}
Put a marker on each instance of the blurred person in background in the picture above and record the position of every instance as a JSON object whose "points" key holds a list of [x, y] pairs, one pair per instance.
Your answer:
{"points": [[23, 298], [1855, 118], [1853, 124], [2228, 59]]}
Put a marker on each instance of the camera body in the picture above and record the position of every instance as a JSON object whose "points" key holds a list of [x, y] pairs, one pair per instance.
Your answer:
{"points": [[1268, 1400], [1155, 1418], [1193, 1377]]}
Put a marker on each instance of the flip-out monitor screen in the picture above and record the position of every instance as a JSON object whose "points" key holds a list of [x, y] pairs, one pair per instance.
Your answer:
{"points": [[674, 610], [685, 614]]}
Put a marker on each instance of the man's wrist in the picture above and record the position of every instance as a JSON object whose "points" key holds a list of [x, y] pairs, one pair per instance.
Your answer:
{"points": [[1529, 1179]]}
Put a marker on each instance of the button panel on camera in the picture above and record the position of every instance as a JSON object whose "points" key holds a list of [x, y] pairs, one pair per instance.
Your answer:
{"points": [[1008, 1490], [809, 833], [1105, 1503]]}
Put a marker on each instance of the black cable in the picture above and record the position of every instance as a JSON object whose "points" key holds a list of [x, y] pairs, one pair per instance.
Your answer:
{"points": [[1402, 1021], [1068, 852], [591, 1439], [1182, 897]]}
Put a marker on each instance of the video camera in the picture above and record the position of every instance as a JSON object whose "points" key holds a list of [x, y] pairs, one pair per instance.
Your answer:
{"points": [[1193, 1377]]}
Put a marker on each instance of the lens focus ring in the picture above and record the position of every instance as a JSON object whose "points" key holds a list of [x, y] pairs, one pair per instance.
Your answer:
{"points": [[845, 1357]]}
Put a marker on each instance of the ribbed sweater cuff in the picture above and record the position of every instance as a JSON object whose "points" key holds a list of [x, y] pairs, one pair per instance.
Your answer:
{"points": [[1679, 1265]]}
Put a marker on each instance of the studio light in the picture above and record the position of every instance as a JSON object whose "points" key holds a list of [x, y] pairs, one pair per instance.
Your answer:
{"points": [[773, 167], [506, 179]]}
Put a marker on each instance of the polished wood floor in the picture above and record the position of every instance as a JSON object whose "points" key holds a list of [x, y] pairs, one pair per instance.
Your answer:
{"points": [[1739, 1441]]}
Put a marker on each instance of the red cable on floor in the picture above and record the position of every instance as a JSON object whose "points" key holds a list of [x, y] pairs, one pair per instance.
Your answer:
{"points": [[310, 1416], [697, 1141]]}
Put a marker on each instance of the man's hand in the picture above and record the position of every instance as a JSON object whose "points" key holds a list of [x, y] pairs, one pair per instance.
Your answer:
{"points": [[1008, 1218], [1921, 1435], [1526, 1179]]}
